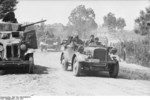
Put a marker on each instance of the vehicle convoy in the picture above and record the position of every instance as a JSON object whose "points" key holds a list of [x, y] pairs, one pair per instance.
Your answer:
{"points": [[43, 46], [53, 43], [90, 58], [17, 46], [50, 43]]}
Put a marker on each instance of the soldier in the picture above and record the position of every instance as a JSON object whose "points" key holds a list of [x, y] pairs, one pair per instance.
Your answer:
{"points": [[10, 17], [70, 39], [97, 41], [91, 40], [77, 42]]}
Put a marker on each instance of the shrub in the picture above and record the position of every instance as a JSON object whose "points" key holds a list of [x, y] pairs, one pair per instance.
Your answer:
{"points": [[136, 52]]}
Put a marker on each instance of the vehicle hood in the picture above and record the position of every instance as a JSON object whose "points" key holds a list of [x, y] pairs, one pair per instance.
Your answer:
{"points": [[90, 50], [10, 41]]}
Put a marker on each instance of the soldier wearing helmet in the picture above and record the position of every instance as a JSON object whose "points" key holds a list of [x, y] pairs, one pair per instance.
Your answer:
{"points": [[91, 40], [10, 17], [97, 41], [77, 42]]}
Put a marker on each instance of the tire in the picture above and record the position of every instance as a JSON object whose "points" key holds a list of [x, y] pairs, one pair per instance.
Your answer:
{"points": [[41, 50], [76, 68], [2, 72], [56, 50], [65, 65], [114, 70], [45, 49], [71, 68], [31, 65], [61, 58]]}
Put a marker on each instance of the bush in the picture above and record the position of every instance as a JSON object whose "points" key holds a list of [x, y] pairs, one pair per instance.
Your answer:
{"points": [[136, 52]]}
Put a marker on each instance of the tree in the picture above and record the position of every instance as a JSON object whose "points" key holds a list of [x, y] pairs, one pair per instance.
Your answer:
{"points": [[7, 6], [113, 23], [141, 22], [82, 20], [120, 23], [110, 21]]}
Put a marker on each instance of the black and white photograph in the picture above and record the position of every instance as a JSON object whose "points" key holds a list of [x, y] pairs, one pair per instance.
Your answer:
{"points": [[74, 48]]}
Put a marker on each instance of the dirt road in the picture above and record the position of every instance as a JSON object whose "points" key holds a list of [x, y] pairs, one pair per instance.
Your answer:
{"points": [[50, 79]]}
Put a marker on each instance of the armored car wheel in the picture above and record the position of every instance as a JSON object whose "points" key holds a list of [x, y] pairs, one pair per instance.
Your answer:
{"points": [[65, 65], [41, 50], [114, 70], [31, 64], [2, 72], [76, 67], [61, 58]]}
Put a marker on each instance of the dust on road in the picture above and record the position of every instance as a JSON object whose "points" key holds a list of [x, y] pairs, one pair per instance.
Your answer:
{"points": [[50, 79]]}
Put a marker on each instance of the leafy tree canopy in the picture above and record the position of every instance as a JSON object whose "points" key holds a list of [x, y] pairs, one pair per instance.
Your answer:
{"points": [[121, 23], [82, 19], [141, 22], [113, 23]]}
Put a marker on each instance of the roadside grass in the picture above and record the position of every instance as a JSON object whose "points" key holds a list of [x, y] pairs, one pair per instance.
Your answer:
{"points": [[134, 47]]}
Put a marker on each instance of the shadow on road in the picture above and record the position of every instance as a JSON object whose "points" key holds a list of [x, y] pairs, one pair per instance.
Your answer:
{"points": [[41, 69], [95, 74], [37, 70], [104, 74]]}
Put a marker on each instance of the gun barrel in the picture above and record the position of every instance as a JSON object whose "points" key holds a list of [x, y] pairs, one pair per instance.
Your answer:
{"points": [[34, 23]]}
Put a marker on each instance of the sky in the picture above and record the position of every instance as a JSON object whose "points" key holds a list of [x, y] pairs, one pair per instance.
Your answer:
{"points": [[58, 11]]}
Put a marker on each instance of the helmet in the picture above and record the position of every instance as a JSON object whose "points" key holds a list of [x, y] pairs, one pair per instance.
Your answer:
{"points": [[76, 36], [97, 38]]}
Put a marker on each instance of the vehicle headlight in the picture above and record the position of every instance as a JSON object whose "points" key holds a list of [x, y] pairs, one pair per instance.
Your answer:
{"points": [[23, 47], [1, 48], [89, 56], [83, 58]]}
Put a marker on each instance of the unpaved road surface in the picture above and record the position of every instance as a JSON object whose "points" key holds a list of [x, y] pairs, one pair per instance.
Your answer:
{"points": [[49, 79]]}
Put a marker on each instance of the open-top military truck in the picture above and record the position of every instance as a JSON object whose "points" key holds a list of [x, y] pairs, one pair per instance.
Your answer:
{"points": [[90, 58], [17, 46]]}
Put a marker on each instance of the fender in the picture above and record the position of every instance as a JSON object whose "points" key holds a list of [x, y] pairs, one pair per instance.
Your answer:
{"points": [[29, 51], [115, 57], [81, 57]]}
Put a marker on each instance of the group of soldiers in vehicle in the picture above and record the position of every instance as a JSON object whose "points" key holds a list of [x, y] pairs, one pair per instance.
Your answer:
{"points": [[76, 42]]}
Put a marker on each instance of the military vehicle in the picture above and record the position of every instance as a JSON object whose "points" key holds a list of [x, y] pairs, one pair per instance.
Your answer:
{"points": [[17, 46], [43, 46], [50, 43], [53, 43], [90, 58]]}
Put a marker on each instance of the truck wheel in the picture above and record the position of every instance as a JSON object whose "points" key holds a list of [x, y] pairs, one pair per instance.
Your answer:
{"points": [[61, 58], [56, 49], [41, 49], [65, 65], [76, 67], [31, 65], [45, 49], [114, 70], [2, 72]]}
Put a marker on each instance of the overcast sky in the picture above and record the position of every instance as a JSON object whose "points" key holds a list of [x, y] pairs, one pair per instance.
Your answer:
{"points": [[58, 11]]}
